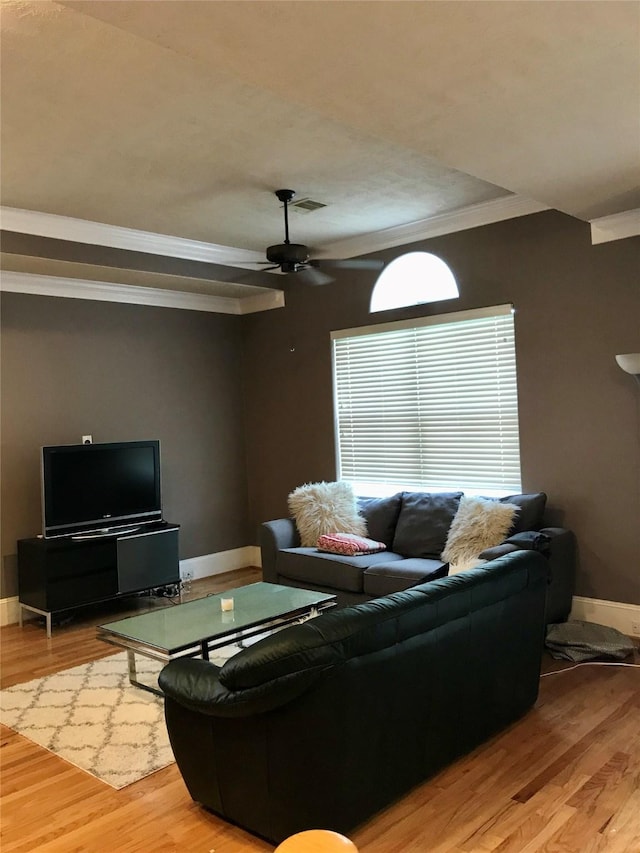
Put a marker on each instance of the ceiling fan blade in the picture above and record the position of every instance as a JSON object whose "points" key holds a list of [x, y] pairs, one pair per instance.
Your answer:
{"points": [[267, 266], [257, 279], [350, 263], [312, 275]]}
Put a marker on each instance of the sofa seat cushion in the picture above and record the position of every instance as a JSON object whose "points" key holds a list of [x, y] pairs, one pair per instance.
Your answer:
{"points": [[329, 570], [387, 577], [424, 522]]}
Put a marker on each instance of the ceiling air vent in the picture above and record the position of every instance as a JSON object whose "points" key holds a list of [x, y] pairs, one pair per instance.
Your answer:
{"points": [[306, 205]]}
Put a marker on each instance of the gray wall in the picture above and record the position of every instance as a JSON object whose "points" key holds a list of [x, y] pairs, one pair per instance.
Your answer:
{"points": [[577, 305], [196, 381], [125, 372]]}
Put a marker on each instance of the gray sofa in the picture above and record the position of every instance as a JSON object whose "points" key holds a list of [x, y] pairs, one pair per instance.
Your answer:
{"points": [[414, 527]]}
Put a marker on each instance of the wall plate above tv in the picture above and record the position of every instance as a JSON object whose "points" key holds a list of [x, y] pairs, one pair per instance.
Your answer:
{"points": [[99, 489]]}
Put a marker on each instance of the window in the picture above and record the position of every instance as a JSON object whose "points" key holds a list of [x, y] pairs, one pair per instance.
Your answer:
{"points": [[429, 405], [413, 279]]}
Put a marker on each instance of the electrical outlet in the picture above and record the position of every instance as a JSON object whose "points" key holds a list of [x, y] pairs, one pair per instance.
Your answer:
{"points": [[635, 629], [87, 439]]}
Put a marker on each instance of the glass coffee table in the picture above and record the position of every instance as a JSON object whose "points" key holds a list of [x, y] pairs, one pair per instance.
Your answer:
{"points": [[195, 628]]}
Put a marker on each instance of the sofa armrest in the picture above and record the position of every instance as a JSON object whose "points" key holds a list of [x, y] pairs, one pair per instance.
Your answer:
{"points": [[497, 551], [562, 567], [531, 540], [275, 535], [196, 685], [559, 547]]}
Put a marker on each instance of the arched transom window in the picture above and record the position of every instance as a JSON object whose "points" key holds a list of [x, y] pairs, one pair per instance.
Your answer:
{"points": [[413, 279]]}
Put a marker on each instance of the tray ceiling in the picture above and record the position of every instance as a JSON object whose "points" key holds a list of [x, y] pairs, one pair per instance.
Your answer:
{"points": [[181, 118]]}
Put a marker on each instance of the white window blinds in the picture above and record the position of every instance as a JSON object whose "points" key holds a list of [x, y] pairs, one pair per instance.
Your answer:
{"points": [[429, 405]]}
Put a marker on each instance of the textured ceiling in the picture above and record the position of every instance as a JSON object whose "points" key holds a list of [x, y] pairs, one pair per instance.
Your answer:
{"points": [[181, 118]]}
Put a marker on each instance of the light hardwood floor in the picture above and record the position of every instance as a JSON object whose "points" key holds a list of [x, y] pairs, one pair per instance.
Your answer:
{"points": [[565, 779]]}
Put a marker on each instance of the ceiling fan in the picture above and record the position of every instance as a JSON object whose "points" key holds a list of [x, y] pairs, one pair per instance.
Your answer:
{"points": [[291, 257]]}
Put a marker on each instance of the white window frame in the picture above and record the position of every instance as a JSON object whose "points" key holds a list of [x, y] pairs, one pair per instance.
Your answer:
{"points": [[454, 377]]}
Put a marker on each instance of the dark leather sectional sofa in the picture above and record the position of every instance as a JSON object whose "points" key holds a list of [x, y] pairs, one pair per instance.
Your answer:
{"points": [[323, 724], [414, 528]]}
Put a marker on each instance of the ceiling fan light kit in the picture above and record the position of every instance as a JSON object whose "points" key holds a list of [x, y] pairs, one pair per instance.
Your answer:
{"points": [[288, 254], [293, 258]]}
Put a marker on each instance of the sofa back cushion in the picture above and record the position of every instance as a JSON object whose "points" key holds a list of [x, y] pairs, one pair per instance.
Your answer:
{"points": [[381, 516], [531, 511], [344, 633], [424, 522]]}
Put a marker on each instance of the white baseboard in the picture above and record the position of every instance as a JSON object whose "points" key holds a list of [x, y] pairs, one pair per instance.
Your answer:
{"points": [[615, 614], [200, 567], [223, 561], [9, 610]]}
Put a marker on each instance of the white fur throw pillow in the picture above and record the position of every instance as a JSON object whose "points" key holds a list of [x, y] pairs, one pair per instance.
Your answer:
{"points": [[319, 508], [478, 524], [454, 568]]}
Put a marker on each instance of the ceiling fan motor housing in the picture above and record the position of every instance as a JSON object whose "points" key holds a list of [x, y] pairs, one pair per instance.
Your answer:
{"points": [[288, 253]]}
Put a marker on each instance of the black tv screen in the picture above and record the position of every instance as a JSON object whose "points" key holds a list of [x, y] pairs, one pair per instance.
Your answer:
{"points": [[88, 487]]}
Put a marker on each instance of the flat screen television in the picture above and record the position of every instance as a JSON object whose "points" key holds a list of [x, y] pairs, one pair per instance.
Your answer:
{"points": [[100, 488]]}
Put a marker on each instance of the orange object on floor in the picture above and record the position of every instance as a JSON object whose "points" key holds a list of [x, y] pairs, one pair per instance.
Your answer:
{"points": [[316, 841]]}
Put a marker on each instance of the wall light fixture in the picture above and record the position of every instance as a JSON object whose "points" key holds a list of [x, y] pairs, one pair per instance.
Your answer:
{"points": [[630, 363]]}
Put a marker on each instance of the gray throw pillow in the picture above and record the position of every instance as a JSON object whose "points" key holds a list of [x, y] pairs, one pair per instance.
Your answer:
{"points": [[381, 515], [424, 522]]}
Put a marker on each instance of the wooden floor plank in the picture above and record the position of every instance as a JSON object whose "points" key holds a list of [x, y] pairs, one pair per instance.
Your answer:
{"points": [[533, 835], [604, 730], [622, 835], [564, 779]]}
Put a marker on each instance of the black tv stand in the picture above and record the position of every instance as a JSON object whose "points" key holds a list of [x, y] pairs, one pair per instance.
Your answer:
{"points": [[67, 572]]}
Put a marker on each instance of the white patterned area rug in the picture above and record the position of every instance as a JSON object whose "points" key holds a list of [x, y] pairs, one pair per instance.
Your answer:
{"points": [[92, 717]]}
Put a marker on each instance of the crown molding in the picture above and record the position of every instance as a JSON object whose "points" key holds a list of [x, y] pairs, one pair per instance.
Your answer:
{"points": [[100, 234], [262, 302], [617, 226], [49, 285], [473, 216], [97, 233]]}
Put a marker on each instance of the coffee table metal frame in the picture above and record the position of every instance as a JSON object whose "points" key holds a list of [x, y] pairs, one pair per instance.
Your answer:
{"points": [[204, 645]]}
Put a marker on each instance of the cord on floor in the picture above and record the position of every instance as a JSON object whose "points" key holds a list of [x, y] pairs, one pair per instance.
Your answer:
{"points": [[590, 663]]}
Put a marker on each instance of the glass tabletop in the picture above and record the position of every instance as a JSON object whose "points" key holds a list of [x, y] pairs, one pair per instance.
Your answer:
{"points": [[181, 626]]}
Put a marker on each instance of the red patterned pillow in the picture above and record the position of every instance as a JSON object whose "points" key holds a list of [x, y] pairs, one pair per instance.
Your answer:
{"points": [[349, 544]]}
